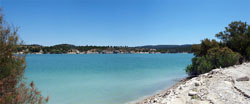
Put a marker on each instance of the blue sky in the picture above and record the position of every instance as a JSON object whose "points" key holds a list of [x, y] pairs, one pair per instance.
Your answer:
{"points": [[122, 22]]}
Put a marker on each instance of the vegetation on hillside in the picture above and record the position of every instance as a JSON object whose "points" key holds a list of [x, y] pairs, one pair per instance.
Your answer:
{"points": [[12, 88], [170, 48], [65, 48], [233, 48]]}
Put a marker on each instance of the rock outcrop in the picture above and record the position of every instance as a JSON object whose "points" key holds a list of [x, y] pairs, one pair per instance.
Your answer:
{"points": [[221, 86]]}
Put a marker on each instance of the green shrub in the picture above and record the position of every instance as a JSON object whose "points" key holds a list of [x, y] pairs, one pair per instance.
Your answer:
{"points": [[199, 65], [228, 59], [223, 57], [215, 58], [202, 49], [205, 65]]}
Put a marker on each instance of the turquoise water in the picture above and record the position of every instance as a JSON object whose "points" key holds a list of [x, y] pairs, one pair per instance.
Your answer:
{"points": [[104, 78]]}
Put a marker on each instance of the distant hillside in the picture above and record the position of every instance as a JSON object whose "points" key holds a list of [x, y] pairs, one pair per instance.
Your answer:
{"points": [[69, 48], [165, 46], [169, 48]]}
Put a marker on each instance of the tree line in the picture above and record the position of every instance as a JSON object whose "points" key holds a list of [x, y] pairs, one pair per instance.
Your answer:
{"points": [[64, 48], [232, 48]]}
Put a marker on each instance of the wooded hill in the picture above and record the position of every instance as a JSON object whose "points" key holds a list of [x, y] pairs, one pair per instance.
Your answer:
{"points": [[65, 48]]}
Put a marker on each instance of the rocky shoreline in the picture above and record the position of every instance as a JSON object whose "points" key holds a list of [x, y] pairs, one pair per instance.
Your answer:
{"points": [[221, 86]]}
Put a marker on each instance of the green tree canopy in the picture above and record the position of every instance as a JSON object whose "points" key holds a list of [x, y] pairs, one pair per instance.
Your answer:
{"points": [[210, 54], [202, 49], [237, 37]]}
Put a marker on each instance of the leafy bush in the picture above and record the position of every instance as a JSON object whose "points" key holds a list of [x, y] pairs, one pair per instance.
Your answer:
{"points": [[215, 58], [199, 65], [223, 57], [202, 49]]}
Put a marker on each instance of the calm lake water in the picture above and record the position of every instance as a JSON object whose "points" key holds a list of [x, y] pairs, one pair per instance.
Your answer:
{"points": [[104, 78]]}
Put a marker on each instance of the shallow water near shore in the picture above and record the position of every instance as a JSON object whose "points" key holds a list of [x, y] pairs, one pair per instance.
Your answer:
{"points": [[104, 78]]}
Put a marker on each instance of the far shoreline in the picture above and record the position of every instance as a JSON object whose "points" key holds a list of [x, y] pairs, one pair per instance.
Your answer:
{"points": [[93, 53]]}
